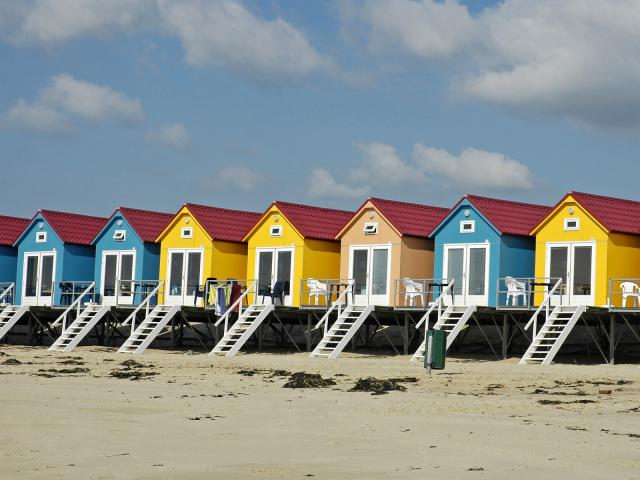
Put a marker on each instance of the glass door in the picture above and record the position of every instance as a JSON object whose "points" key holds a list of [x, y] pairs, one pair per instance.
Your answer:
{"points": [[184, 272], [275, 265], [468, 265], [38, 274], [575, 264], [369, 267], [117, 266]]}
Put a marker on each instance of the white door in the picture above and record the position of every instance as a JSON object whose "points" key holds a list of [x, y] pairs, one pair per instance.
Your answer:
{"points": [[575, 263], [117, 265], [274, 265], [370, 270], [37, 278], [468, 265], [184, 274]]}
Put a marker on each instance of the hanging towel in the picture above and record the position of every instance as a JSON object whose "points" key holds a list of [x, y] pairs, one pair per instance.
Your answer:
{"points": [[221, 305], [236, 292], [211, 298]]}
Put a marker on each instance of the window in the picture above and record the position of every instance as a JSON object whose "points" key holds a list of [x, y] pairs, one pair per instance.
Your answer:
{"points": [[371, 228], [41, 237], [186, 232], [571, 224], [119, 235], [468, 226], [275, 230]]}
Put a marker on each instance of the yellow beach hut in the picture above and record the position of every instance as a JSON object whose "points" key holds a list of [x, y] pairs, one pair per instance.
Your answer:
{"points": [[292, 242], [592, 242], [202, 242]]}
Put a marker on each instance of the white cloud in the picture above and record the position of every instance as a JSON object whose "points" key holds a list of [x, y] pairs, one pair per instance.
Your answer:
{"points": [[322, 184], [237, 176], [175, 136], [35, 118], [218, 33], [66, 98], [576, 59], [473, 168], [383, 168]]}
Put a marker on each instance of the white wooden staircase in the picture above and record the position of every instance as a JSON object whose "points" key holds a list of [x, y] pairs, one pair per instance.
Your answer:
{"points": [[453, 320], [349, 320], [9, 316], [80, 328], [552, 334], [152, 325], [248, 322]]}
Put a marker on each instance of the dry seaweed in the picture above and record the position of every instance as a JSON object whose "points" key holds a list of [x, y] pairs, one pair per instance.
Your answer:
{"points": [[378, 386], [308, 380]]}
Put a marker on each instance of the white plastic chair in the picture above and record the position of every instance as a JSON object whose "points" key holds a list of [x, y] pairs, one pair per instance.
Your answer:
{"points": [[316, 289], [630, 289], [515, 289], [412, 290]]}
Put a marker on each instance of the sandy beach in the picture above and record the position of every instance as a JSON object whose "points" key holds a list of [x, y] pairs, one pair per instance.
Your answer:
{"points": [[189, 416]]}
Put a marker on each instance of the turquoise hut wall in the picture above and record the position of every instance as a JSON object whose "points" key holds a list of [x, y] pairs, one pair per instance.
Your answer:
{"points": [[8, 264]]}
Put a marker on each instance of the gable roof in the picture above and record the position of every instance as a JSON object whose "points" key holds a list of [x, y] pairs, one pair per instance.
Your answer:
{"points": [[412, 219], [223, 224], [506, 216], [146, 223], [614, 214], [311, 222], [11, 228], [72, 228]]}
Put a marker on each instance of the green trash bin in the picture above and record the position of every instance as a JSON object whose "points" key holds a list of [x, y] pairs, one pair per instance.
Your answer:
{"points": [[435, 349]]}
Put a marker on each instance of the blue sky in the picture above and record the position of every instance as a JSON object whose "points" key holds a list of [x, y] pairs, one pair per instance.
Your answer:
{"points": [[150, 103]]}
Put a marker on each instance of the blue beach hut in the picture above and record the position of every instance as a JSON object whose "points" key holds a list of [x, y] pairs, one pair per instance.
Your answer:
{"points": [[10, 230], [483, 240], [127, 253], [55, 248]]}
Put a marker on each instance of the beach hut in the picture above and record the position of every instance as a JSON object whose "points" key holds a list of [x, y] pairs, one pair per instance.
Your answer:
{"points": [[201, 243], [127, 253], [54, 251], [385, 248], [292, 242], [589, 241], [483, 240], [10, 230]]}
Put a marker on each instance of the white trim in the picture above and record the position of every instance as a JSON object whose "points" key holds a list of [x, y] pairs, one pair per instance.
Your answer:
{"points": [[274, 270], [41, 237], [370, 228], [465, 298], [370, 299], [573, 299], [467, 223], [182, 299], [568, 228], [38, 299], [275, 230], [122, 299], [186, 232], [119, 235]]}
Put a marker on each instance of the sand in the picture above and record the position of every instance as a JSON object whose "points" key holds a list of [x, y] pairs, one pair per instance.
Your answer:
{"points": [[202, 418]]}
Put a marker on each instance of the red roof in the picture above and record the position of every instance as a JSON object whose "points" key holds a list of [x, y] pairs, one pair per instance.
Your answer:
{"points": [[614, 214], [223, 224], [73, 227], [11, 228], [147, 224], [512, 218], [410, 218], [314, 222]]}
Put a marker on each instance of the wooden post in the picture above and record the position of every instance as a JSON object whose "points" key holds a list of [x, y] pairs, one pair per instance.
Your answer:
{"points": [[406, 333], [309, 320], [612, 338], [505, 335]]}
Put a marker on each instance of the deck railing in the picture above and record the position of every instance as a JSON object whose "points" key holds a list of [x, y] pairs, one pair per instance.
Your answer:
{"points": [[68, 292], [624, 294], [89, 291], [438, 304], [213, 289], [146, 304], [132, 292], [321, 292], [417, 293], [340, 302], [239, 305], [521, 293], [545, 305], [7, 293]]}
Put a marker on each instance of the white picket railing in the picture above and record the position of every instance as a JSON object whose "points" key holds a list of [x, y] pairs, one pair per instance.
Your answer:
{"points": [[77, 303], [437, 304], [546, 305], [146, 304], [237, 304], [7, 293], [338, 304]]}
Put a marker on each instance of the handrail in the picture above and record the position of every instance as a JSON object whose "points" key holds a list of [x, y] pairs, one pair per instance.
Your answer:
{"points": [[437, 303], [6, 291], [545, 304], [76, 303], [145, 303], [338, 303], [237, 304]]}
